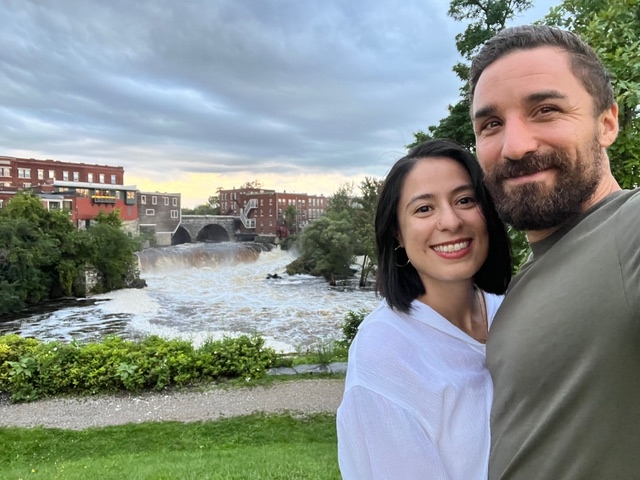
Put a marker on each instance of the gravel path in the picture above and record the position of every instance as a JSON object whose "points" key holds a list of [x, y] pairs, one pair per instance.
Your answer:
{"points": [[295, 396]]}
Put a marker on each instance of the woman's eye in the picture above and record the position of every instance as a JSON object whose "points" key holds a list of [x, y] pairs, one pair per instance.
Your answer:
{"points": [[467, 201], [423, 209]]}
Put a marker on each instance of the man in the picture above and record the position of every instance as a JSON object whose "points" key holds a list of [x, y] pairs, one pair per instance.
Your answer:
{"points": [[564, 348]]}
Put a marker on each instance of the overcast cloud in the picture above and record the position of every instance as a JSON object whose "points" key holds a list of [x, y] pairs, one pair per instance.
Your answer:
{"points": [[171, 88]]}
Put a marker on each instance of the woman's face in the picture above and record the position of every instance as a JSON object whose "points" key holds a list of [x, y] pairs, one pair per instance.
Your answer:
{"points": [[441, 224]]}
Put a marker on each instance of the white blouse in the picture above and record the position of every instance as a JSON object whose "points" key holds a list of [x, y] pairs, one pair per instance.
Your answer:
{"points": [[417, 399]]}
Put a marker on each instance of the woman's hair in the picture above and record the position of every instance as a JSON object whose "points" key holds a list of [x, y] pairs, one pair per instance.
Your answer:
{"points": [[400, 285]]}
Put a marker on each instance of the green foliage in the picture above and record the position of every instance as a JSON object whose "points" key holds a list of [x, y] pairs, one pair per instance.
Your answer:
{"points": [[43, 256], [485, 18], [212, 207], [613, 30], [329, 246], [520, 249], [274, 447], [31, 369], [351, 325]]}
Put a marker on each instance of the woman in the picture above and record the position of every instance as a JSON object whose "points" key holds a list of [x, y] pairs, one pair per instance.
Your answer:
{"points": [[418, 394]]}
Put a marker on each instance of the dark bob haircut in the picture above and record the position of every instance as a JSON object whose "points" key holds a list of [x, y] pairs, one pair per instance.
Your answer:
{"points": [[401, 285]]}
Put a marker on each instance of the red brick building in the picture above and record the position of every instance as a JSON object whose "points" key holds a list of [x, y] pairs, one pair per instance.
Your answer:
{"points": [[84, 189], [262, 210]]}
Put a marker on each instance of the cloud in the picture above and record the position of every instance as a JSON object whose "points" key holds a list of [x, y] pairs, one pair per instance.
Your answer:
{"points": [[225, 90]]}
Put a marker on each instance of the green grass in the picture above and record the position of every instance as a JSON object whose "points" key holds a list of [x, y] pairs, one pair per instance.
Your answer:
{"points": [[252, 447]]}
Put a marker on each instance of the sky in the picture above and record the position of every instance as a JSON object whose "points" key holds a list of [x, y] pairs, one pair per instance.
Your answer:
{"points": [[194, 95]]}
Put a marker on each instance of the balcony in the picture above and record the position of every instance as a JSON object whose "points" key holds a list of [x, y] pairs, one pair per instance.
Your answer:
{"points": [[103, 199]]}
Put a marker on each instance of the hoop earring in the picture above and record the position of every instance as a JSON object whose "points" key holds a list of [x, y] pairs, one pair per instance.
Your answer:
{"points": [[397, 264]]}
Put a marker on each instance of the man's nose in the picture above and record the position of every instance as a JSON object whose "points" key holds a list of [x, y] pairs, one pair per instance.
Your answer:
{"points": [[518, 139]]}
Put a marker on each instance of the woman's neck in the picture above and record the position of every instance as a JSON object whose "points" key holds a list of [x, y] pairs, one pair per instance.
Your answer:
{"points": [[461, 304]]}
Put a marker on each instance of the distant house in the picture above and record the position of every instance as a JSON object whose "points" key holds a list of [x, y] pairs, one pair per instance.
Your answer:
{"points": [[159, 215], [262, 210], [83, 189]]}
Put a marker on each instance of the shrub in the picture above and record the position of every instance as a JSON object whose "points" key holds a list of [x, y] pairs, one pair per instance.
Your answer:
{"points": [[350, 326], [31, 369]]}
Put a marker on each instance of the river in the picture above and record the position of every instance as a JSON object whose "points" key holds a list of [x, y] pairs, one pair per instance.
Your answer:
{"points": [[200, 291]]}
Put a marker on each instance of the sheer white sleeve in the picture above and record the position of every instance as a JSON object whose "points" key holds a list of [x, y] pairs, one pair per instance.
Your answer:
{"points": [[379, 439]]}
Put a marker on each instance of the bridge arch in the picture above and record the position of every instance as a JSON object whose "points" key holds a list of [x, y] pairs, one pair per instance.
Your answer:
{"points": [[181, 235], [213, 233]]}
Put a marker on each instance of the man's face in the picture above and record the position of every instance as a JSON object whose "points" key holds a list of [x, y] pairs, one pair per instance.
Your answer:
{"points": [[538, 138]]}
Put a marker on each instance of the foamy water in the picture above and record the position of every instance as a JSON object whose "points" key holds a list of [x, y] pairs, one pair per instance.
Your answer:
{"points": [[225, 297]]}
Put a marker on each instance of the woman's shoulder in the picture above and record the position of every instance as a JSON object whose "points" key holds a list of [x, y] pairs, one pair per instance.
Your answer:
{"points": [[493, 302]]}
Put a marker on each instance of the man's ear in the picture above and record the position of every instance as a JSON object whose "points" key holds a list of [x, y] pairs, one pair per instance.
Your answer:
{"points": [[608, 125]]}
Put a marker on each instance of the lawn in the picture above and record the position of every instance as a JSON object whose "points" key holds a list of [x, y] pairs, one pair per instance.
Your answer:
{"points": [[253, 447]]}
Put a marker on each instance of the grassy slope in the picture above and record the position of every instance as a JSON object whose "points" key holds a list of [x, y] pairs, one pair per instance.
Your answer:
{"points": [[252, 447]]}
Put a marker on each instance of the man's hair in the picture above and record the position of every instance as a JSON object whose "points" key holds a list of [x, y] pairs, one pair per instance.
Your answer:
{"points": [[583, 60], [400, 285]]}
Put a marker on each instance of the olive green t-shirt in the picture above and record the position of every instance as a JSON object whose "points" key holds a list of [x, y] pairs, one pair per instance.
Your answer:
{"points": [[564, 353]]}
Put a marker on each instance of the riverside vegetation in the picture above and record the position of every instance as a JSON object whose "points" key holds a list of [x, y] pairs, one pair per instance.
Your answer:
{"points": [[44, 257], [32, 369]]}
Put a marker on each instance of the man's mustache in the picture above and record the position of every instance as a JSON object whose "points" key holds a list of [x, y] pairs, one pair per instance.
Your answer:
{"points": [[527, 165]]}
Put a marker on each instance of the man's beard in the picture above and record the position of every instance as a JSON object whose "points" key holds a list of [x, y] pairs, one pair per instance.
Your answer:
{"points": [[536, 206]]}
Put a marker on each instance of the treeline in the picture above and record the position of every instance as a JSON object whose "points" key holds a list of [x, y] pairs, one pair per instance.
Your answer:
{"points": [[44, 257], [330, 245]]}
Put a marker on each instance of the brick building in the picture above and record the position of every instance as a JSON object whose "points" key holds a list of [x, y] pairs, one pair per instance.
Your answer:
{"points": [[159, 214], [83, 189], [262, 210]]}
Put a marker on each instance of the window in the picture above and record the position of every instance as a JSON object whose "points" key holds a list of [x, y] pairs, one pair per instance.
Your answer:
{"points": [[5, 172], [113, 179], [175, 201], [65, 176], [102, 178], [166, 200], [40, 174], [90, 177], [130, 198], [143, 199], [271, 212], [24, 173], [52, 174], [174, 213], [76, 176], [150, 212], [154, 200], [271, 201], [1, 203], [26, 185], [261, 202]]}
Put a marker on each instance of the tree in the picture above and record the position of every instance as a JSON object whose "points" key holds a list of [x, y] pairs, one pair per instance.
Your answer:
{"points": [[252, 185], [612, 28], [329, 246], [113, 251], [290, 215], [364, 228], [212, 207], [486, 18]]}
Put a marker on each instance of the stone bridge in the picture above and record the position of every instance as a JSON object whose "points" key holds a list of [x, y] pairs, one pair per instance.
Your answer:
{"points": [[206, 228]]}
